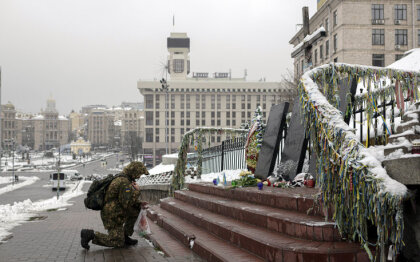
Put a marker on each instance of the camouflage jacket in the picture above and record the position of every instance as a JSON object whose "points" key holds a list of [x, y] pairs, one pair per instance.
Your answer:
{"points": [[121, 196]]}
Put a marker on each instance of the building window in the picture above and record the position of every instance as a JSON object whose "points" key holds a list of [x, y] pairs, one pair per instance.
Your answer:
{"points": [[327, 25], [172, 101], [378, 60], [418, 13], [212, 122], [197, 101], [327, 49], [227, 101], [398, 57], [418, 37], [335, 43], [149, 118], [157, 104], [213, 99], [233, 122], [243, 106], [149, 134], [228, 122], [172, 135], [401, 36], [203, 122], [400, 12], [378, 36], [249, 115], [335, 18], [157, 118], [249, 105], [218, 122], [218, 114], [197, 122], [336, 59], [182, 101], [149, 101], [378, 12], [316, 56], [243, 115], [157, 135], [219, 98], [203, 101], [178, 65], [321, 52], [188, 101]]}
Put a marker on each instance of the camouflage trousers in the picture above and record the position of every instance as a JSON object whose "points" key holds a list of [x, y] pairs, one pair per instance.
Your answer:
{"points": [[118, 228]]}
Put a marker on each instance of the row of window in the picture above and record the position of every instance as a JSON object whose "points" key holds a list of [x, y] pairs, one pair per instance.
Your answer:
{"points": [[401, 36], [155, 136], [201, 102], [400, 12], [187, 121], [379, 59]]}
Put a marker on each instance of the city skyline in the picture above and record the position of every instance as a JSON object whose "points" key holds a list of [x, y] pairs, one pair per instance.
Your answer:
{"points": [[80, 54]]}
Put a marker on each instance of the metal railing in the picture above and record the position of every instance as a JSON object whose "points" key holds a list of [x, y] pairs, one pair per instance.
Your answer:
{"points": [[227, 156]]}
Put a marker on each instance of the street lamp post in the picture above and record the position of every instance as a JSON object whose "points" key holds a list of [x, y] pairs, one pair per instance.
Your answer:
{"points": [[58, 172], [165, 88], [13, 161]]}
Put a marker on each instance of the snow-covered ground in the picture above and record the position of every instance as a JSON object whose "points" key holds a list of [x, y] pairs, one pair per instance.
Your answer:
{"points": [[26, 181], [40, 163], [16, 214], [230, 175]]}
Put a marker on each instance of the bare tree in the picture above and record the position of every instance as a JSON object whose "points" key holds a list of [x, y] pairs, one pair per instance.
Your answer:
{"points": [[133, 144]]}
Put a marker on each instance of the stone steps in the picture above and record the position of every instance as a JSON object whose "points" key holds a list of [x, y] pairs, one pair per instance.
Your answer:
{"points": [[269, 245], [410, 137], [301, 200], [409, 125], [205, 244], [390, 150], [168, 244], [288, 222]]}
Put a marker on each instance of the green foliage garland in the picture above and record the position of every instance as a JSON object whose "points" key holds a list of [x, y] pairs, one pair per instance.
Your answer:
{"points": [[200, 133]]}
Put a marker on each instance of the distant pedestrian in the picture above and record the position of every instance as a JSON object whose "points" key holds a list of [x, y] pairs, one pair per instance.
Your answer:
{"points": [[121, 209]]}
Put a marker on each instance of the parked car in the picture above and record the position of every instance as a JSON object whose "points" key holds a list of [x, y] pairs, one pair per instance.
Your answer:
{"points": [[72, 175], [58, 181]]}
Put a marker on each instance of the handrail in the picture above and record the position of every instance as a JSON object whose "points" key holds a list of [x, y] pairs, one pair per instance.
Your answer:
{"points": [[197, 135], [352, 181]]}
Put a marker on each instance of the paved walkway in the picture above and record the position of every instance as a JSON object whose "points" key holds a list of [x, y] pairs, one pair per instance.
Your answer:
{"points": [[55, 236]]}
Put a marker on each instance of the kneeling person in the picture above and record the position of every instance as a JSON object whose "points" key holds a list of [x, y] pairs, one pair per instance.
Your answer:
{"points": [[120, 212]]}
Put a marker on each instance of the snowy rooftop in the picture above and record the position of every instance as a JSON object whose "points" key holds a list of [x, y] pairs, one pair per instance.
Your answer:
{"points": [[410, 61], [159, 169]]}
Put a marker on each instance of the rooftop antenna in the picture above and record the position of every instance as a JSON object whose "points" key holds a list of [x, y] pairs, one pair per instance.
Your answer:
{"points": [[230, 74], [245, 73], [173, 22]]}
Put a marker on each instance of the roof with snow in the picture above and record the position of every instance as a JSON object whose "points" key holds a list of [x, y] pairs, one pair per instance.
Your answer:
{"points": [[410, 61]]}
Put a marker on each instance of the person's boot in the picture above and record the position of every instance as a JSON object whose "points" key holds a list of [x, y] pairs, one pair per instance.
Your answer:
{"points": [[86, 236], [129, 241]]}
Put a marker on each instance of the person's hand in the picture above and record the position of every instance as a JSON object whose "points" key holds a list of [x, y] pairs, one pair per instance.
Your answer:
{"points": [[135, 186], [144, 205]]}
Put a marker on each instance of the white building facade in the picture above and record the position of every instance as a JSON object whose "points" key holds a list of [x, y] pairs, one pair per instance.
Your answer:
{"points": [[198, 101]]}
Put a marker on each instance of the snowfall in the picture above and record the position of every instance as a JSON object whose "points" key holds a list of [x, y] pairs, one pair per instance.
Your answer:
{"points": [[20, 212]]}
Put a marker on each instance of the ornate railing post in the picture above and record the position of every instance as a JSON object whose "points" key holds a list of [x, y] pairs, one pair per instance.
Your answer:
{"points": [[200, 154]]}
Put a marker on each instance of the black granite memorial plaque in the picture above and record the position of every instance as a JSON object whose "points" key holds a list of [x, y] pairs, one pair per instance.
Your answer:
{"points": [[295, 145], [271, 140]]}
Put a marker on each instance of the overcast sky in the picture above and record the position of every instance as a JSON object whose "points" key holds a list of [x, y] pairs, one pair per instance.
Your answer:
{"points": [[83, 52]]}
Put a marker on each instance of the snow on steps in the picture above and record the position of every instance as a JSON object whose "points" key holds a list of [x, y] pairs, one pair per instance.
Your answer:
{"points": [[220, 236], [203, 243]]}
